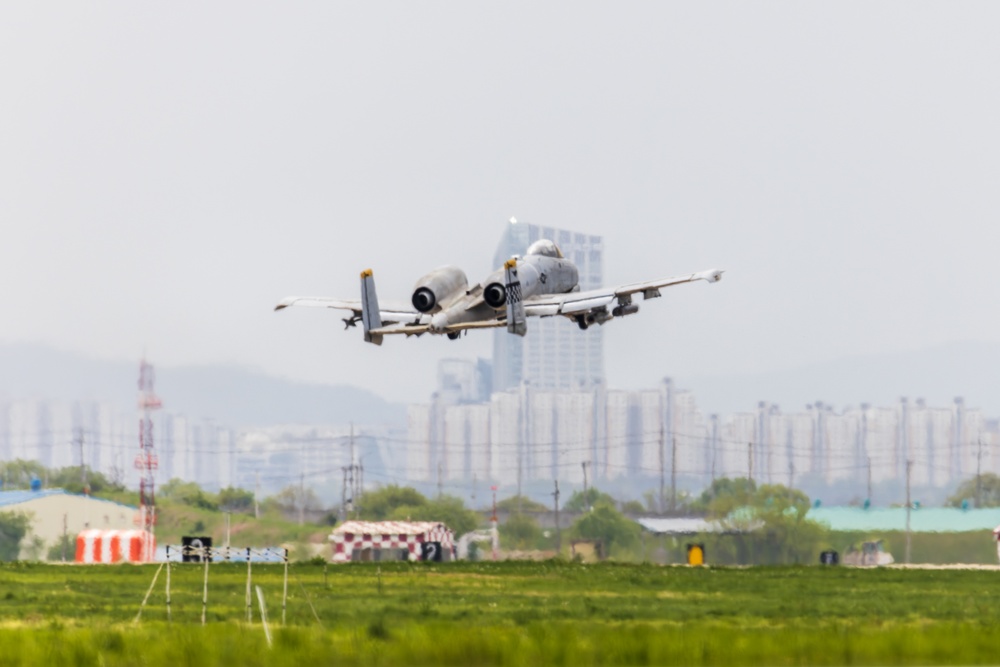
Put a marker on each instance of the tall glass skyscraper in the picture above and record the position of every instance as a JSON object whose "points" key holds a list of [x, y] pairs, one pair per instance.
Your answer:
{"points": [[555, 354]]}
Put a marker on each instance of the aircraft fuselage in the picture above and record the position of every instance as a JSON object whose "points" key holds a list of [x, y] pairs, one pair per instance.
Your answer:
{"points": [[539, 274]]}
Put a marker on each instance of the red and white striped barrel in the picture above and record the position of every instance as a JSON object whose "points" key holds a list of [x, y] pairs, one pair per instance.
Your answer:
{"points": [[114, 546]]}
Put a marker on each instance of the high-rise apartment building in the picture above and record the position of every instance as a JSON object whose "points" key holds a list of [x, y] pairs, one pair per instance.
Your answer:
{"points": [[555, 354]]}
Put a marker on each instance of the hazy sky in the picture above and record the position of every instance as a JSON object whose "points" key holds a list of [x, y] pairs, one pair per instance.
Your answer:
{"points": [[168, 171]]}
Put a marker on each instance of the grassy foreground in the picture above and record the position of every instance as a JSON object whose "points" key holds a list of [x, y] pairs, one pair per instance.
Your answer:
{"points": [[501, 614]]}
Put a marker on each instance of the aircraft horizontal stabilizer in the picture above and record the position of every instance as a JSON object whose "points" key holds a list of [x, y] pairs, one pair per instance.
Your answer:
{"points": [[370, 317]]}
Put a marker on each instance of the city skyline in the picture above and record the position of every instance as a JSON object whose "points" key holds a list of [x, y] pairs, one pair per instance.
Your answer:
{"points": [[624, 437]]}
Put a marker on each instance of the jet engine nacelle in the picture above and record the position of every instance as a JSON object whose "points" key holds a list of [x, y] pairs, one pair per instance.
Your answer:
{"points": [[495, 293], [437, 286]]}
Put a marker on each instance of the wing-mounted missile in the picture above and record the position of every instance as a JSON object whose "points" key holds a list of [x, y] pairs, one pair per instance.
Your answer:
{"points": [[517, 322], [371, 318], [438, 287]]}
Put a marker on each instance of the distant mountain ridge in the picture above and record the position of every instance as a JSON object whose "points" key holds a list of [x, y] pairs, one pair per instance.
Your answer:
{"points": [[938, 374], [240, 397], [230, 395]]}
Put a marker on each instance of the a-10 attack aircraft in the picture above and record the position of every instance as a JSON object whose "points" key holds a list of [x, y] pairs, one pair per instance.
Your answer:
{"points": [[542, 283]]}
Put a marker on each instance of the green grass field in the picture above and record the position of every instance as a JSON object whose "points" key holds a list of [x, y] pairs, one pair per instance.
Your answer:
{"points": [[550, 613]]}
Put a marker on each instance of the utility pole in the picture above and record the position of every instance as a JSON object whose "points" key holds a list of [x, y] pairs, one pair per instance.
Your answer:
{"points": [[909, 506], [494, 533], [673, 475], [357, 471], [83, 468], [350, 481], [302, 498], [584, 464], [519, 480], [663, 503], [473, 495], [979, 476], [869, 481], [353, 475], [555, 495], [750, 461], [256, 495], [343, 496], [440, 490], [361, 485]]}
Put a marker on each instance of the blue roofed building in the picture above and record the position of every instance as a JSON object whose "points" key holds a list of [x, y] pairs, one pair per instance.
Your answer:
{"points": [[922, 520], [56, 512]]}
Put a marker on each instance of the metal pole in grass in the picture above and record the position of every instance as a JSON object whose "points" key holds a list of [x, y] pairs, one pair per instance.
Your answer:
{"points": [[249, 596], [284, 593], [168, 584], [204, 592], [909, 505], [555, 494], [148, 593], [263, 616]]}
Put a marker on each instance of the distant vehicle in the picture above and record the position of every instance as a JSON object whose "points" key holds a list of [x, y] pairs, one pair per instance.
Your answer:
{"points": [[871, 554], [542, 283]]}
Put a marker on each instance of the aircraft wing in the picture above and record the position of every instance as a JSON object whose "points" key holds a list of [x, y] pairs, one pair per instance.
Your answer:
{"points": [[419, 329], [391, 312], [571, 304]]}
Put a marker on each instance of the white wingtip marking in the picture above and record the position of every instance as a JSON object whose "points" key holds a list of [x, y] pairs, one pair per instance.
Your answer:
{"points": [[712, 275]]}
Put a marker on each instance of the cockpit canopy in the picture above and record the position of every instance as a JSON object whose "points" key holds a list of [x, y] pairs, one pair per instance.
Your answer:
{"points": [[544, 247]]}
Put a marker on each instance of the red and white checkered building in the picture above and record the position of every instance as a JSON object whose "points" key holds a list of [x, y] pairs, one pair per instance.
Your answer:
{"points": [[388, 540]]}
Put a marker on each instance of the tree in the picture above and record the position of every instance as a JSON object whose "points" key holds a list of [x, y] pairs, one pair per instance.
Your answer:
{"points": [[13, 527], [379, 504], [651, 502], [403, 503], [188, 493], [236, 500], [33, 548], [70, 478], [449, 510], [633, 507], [989, 492], [769, 526], [724, 496], [523, 502], [520, 531], [580, 502], [18, 474], [63, 549], [608, 525], [293, 497]]}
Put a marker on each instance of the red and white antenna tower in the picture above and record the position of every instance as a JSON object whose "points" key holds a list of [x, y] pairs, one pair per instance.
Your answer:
{"points": [[146, 461]]}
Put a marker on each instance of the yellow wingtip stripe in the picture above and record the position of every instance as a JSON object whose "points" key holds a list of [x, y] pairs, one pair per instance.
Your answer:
{"points": [[366, 273]]}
